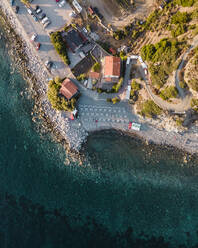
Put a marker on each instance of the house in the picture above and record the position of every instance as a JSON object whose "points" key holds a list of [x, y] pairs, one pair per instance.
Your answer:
{"points": [[112, 69], [68, 89], [94, 75], [74, 39]]}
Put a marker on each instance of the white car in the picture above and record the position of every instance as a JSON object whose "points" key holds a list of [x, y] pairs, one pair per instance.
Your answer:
{"points": [[29, 11], [62, 3], [46, 24], [46, 19], [33, 37]]}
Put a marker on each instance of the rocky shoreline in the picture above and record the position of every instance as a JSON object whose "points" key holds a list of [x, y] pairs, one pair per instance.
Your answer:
{"points": [[33, 71]]}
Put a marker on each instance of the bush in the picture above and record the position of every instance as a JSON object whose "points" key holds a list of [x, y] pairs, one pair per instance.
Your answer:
{"points": [[81, 77], [96, 67], [194, 104], [58, 102], [60, 46], [117, 86], [135, 85], [150, 109], [183, 84], [115, 100], [180, 29], [185, 3], [193, 84], [180, 18], [109, 100], [169, 92]]}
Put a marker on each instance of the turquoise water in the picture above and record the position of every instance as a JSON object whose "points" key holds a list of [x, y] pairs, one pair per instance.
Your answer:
{"points": [[123, 195]]}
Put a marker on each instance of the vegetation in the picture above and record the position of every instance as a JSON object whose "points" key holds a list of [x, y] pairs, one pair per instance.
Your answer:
{"points": [[180, 18], [57, 101], [193, 84], [169, 92], [162, 57], [81, 77], [183, 84], [25, 1], [178, 30], [96, 67], [60, 46], [115, 100], [150, 109], [117, 86], [194, 104], [185, 3], [135, 85]]}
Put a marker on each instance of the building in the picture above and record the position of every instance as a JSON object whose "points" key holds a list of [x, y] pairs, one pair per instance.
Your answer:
{"points": [[74, 39], [68, 89], [94, 75], [112, 69]]}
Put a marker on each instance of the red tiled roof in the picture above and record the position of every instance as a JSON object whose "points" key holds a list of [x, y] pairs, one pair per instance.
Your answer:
{"points": [[112, 66], [68, 89], [94, 75]]}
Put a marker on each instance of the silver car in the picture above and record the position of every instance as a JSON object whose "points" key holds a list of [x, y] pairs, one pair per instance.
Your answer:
{"points": [[47, 23], [46, 19]]}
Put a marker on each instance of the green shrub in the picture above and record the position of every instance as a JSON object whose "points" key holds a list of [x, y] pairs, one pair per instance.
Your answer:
{"points": [[183, 84], [81, 77], [117, 86], [185, 3], [193, 84], [150, 109], [135, 85], [180, 18], [96, 67], [115, 100], [169, 92], [58, 102], [60, 46], [109, 100], [179, 29]]}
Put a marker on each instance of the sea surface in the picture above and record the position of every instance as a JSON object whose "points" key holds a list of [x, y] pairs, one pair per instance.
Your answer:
{"points": [[124, 194]]}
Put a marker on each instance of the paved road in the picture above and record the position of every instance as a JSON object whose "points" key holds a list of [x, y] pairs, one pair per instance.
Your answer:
{"points": [[47, 51]]}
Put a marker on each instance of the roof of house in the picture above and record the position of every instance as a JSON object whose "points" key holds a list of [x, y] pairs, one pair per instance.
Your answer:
{"points": [[112, 66], [94, 75], [74, 39], [68, 89]]}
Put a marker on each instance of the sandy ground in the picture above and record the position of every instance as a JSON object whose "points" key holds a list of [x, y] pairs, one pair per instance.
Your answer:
{"points": [[118, 17]]}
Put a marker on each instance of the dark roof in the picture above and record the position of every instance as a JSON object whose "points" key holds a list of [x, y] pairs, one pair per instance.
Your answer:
{"points": [[74, 39], [68, 89]]}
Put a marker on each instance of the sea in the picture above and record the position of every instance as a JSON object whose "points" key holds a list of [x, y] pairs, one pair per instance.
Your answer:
{"points": [[119, 193]]}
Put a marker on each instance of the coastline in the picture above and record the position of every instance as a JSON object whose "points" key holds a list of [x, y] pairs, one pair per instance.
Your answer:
{"points": [[74, 133]]}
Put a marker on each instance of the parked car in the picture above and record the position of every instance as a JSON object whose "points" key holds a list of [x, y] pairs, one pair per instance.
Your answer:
{"points": [[46, 19], [12, 2], [38, 45], [38, 9], [85, 30], [47, 23], [29, 11], [42, 16], [35, 18], [33, 37], [62, 3], [48, 64], [16, 9]]}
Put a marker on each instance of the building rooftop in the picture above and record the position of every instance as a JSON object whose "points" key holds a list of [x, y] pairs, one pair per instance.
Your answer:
{"points": [[112, 66], [74, 39], [94, 75], [68, 89]]}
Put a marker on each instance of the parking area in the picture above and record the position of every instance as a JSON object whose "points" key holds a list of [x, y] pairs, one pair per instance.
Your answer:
{"points": [[59, 16]]}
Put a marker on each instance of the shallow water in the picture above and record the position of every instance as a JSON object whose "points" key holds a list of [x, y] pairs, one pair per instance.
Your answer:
{"points": [[122, 195]]}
